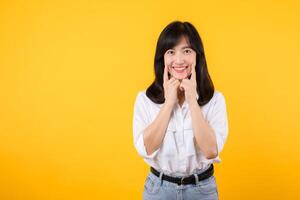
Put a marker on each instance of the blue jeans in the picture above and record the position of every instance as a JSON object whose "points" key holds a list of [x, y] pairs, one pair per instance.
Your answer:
{"points": [[155, 189]]}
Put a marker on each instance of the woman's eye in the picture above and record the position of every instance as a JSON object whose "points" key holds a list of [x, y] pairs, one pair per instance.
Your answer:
{"points": [[170, 52], [187, 51]]}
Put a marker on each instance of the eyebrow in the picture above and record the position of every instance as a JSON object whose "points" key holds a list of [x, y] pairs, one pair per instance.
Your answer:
{"points": [[184, 47]]}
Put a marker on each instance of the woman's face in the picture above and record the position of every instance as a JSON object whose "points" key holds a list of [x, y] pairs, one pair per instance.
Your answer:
{"points": [[180, 59]]}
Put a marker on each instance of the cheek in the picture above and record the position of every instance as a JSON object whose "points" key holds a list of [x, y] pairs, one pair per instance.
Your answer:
{"points": [[191, 59], [168, 61]]}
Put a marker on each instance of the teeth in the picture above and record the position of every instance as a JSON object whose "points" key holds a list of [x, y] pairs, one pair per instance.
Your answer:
{"points": [[179, 68]]}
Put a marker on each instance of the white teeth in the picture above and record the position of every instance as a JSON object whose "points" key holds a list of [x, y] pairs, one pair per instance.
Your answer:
{"points": [[179, 68]]}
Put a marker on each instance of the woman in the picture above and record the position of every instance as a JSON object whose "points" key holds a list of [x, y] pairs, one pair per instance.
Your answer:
{"points": [[180, 122]]}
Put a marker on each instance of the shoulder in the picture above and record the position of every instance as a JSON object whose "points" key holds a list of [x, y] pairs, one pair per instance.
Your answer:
{"points": [[218, 100], [141, 96], [218, 96]]}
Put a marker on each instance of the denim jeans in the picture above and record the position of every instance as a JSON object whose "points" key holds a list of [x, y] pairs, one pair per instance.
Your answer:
{"points": [[155, 189]]}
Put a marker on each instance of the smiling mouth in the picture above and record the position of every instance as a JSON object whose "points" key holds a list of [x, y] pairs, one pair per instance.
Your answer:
{"points": [[180, 69]]}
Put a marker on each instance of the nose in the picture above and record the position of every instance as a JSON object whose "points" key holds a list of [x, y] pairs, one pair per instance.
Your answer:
{"points": [[179, 59]]}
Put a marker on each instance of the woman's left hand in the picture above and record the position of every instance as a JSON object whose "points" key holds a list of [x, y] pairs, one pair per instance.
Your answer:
{"points": [[190, 87]]}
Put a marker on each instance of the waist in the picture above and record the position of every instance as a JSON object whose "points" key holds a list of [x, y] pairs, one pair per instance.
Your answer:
{"points": [[184, 180], [181, 172]]}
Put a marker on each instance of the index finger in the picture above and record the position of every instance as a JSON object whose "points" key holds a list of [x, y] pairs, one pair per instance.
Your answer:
{"points": [[193, 77], [166, 77]]}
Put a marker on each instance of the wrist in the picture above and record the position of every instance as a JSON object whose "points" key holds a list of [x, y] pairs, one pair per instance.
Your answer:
{"points": [[168, 104], [193, 102]]}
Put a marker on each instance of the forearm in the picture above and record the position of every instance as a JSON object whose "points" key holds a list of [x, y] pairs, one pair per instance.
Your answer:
{"points": [[204, 134], [155, 132]]}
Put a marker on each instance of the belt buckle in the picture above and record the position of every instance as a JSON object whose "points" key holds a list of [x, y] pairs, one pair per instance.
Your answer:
{"points": [[181, 181]]}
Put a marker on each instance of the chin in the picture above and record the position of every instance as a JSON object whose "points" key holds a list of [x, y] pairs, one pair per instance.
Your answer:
{"points": [[181, 77]]}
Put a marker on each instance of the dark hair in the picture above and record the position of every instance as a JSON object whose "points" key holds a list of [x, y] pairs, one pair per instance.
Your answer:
{"points": [[169, 38]]}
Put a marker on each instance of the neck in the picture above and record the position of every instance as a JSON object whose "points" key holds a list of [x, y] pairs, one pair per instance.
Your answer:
{"points": [[180, 95]]}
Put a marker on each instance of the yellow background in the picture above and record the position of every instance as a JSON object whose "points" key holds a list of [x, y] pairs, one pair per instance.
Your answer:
{"points": [[70, 72]]}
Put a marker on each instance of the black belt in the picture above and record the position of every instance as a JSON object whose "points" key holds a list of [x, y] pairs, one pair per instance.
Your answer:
{"points": [[186, 180]]}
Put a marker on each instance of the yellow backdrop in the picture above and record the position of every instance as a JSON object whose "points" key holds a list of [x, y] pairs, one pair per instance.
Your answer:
{"points": [[70, 72]]}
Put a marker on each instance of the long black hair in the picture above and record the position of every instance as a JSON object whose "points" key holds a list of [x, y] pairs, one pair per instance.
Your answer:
{"points": [[168, 39]]}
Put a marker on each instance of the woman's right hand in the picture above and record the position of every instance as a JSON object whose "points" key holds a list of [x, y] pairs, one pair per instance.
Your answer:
{"points": [[170, 88]]}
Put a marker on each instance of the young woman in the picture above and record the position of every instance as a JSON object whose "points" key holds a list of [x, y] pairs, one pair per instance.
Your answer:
{"points": [[180, 122]]}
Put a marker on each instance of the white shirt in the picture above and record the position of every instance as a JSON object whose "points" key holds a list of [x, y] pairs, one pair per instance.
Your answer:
{"points": [[179, 155]]}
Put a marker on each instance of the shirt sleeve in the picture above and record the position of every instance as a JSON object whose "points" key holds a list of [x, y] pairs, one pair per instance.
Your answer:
{"points": [[141, 120], [219, 122]]}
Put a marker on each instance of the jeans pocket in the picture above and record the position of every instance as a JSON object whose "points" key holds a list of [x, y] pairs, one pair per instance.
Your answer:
{"points": [[151, 186], [207, 187]]}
